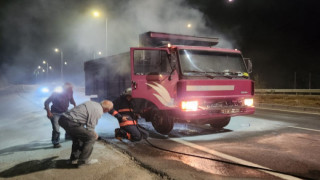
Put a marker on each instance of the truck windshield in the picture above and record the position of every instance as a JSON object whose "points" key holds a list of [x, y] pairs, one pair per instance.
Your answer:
{"points": [[198, 63]]}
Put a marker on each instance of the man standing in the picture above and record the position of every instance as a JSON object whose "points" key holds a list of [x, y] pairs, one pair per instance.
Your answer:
{"points": [[60, 103], [129, 128], [80, 123]]}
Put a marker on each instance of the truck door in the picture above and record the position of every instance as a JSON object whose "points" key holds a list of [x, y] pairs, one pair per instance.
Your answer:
{"points": [[153, 77]]}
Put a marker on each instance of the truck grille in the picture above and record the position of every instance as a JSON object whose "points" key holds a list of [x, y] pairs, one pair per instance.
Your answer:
{"points": [[218, 105]]}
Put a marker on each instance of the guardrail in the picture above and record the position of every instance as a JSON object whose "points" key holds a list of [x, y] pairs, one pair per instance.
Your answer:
{"points": [[288, 91]]}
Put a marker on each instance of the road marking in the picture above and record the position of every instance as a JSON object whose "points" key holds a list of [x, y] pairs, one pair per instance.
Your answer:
{"points": [[301, 112], [304, 128], [231, 158]]}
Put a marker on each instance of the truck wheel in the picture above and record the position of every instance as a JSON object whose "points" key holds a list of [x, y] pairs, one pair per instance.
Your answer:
{"points": [[220, 123], [161, 122]]}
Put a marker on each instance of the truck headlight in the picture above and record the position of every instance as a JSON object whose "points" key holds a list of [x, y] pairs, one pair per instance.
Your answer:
{"points": [[189, 105], [248, 102]]}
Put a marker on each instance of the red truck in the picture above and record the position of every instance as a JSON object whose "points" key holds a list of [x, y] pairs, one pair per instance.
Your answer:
{"points": [[176, 78]]}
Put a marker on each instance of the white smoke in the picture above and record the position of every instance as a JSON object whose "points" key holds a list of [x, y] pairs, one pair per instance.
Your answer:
{"points": [[126, 21], [32, 32]]}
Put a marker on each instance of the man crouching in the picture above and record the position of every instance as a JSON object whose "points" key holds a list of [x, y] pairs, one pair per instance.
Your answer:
{"points": [[80, 123]]}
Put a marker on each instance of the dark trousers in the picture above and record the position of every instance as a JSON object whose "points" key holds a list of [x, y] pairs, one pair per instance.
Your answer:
{"points": [[136, 132], [82, 139]]}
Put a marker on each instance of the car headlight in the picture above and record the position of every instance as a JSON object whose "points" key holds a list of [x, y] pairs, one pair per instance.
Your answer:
{"points": [[44, 90], [189, 105], [248, 102]]}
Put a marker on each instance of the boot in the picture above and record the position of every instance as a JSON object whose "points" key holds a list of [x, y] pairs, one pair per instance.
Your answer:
{"points": [[120, 134]]}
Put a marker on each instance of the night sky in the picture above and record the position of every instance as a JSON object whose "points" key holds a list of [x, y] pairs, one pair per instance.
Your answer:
{"points": [[280, 36]]}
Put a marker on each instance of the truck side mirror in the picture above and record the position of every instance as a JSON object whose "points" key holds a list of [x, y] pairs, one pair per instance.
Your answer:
{"points": [[248, 64]]}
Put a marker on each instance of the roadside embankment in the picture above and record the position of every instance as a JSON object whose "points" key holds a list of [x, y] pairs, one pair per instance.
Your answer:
{"points": [[303, 103]]}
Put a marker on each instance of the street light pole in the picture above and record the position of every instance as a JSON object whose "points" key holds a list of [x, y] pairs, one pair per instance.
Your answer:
{"points": [[106, 36], [45, 62], [61, 53], [61, 62], [97, 14]]}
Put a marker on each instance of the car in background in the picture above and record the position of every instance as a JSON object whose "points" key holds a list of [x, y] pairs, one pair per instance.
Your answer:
{"points": [[48, 88]]}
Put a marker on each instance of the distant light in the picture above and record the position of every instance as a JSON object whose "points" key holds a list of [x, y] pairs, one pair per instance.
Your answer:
{"points": [[58, 89], [99, 52], [39, 67], [96, 14], [43, 70], [230, 0], [50, 67], [236, 49], [44, 62], [169, 45], [45, 90], [189, 25], [65, 63], [56, 50]]}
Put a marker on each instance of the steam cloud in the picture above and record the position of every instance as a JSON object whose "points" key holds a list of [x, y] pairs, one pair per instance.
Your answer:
{"points": [[126, 21], [39, 26]]}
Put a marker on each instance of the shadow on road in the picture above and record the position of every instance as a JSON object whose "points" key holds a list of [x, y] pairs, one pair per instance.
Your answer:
{"points": [[25, 147], [35, 166]]}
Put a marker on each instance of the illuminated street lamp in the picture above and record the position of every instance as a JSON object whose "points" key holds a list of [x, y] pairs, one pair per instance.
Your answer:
{"points": [[65, 63], [97, 14], [94, 54], [189, 25], [46, 63], [61, 62]]}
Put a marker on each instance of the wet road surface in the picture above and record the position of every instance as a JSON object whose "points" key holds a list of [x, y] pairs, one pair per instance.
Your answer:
{"points": [[284, 142]]}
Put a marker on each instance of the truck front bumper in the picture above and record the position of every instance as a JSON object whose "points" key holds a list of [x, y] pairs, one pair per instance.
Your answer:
{"points": [[203, 116]]}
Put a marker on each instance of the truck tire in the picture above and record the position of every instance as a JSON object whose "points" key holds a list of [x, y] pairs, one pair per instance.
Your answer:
{"points": [[161, 122], [220, 123]]}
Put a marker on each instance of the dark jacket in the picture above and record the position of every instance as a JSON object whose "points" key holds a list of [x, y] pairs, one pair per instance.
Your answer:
{"points": [[60, 102], [124, 107]]}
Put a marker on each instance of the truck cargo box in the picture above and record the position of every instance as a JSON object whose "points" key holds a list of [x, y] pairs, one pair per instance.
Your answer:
{"points": [[107, 77]]}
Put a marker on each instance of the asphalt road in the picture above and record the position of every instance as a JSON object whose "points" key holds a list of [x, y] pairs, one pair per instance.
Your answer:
{"points": [[281, 141]]}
